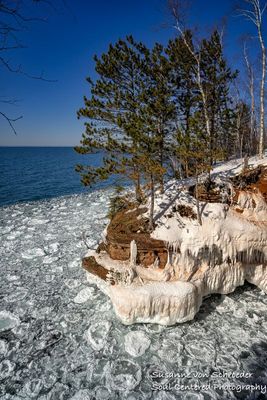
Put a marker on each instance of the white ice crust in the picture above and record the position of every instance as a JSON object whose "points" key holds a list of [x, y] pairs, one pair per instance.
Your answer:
{"points": [[227, 249]]}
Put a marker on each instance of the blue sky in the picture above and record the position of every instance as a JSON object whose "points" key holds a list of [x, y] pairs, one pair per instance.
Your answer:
{"points": [[63, 48]]}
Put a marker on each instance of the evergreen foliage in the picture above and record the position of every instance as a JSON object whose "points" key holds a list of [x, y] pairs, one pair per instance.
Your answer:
{"points": [[145, 112]]}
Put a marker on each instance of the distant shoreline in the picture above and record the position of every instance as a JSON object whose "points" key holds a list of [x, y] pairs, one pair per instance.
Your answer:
{"points": [[38, 147]]}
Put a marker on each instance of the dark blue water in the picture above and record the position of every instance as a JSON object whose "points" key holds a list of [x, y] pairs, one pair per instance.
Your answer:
{"points": [[33, 173]]}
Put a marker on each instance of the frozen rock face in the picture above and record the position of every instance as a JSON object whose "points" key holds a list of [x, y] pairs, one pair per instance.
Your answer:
{"points": [[219, 254], [257, 275], [162, 303], [227, 249]]}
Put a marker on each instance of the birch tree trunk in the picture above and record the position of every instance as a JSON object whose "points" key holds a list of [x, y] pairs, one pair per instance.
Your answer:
{"points": [[252, 99], [262, 108], [255, 15], [197, 58]]}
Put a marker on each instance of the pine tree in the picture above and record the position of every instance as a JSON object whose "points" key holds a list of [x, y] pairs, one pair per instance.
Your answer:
{"points": [[217, 79], [149, 105], [157, 113], [185, 90], [113, 110]]}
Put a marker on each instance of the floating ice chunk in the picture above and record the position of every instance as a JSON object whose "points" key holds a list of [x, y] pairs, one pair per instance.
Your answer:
{"points": [[72, 283], [36, 221], [6, 369], [84, 295], [12, 278], [3, 347], [102, 393], [169, 353], [13, 235], [73, 317], [32, 253], [97, 334], [52, 248], [83, 394], [8, 321], [57, 269], [49, 339], [49, 259], [49, 278], [50, 236], [75, 263], [32, 389], [136, 343], [18, 295], [6, 230], [124, 375], [199, 350]]}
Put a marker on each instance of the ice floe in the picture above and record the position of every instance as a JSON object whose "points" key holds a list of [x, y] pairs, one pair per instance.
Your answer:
{"points": [[8, 321], [97, 333], [52, 348], [84, 295], [136, 343]]}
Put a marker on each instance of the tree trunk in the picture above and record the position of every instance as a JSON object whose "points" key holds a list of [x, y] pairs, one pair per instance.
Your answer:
{"points": [[262, 130], [198, 81], [161, 154], [206, 112], [252, 115], [241, 147], [138, 194], [152, 201], [198, 208], [252, 104]]}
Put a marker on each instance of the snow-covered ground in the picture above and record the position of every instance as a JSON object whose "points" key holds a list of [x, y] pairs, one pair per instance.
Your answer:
{"points": [[60, 338], [221, 172]]}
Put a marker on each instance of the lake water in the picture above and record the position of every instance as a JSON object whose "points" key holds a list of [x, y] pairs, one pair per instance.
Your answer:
{"points": [[34, 173]]}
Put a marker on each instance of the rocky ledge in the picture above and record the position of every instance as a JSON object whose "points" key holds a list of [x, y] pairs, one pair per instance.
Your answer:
{"points": [[162, 277]]}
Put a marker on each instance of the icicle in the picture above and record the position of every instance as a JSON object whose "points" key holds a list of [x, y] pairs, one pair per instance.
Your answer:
{"points": [[169, 259], [141, 280], [133, 253], [156, 263], [109, 278]]}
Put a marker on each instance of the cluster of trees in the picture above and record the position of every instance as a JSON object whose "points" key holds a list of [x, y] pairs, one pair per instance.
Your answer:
{"points": [[163, 110]]}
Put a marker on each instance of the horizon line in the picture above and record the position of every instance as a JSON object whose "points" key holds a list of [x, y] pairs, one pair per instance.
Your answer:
{"points": [[2, 146]]}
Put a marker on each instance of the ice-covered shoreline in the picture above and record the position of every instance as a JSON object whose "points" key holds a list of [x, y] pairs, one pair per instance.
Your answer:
{"points": [[213, 247], [65, 341]]}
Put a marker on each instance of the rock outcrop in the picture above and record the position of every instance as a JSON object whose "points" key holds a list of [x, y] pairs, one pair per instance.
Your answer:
{"points": [[182, 261], [128, 225]]}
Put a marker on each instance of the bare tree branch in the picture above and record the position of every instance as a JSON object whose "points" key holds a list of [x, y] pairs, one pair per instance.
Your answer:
{"points": [[13, 21], [10, 121]]}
